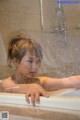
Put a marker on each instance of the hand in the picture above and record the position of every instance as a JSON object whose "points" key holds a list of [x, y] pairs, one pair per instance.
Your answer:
{"points": [[35, 91]]}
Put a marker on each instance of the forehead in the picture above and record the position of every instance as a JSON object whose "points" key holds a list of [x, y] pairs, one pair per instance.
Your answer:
{"points": [[30, 55]]}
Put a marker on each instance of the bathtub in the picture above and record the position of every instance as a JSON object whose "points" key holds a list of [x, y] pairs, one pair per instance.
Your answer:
{"points": [[62, 104]]}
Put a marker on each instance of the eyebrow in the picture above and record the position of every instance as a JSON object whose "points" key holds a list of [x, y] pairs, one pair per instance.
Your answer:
{"points": [[30, 58]]}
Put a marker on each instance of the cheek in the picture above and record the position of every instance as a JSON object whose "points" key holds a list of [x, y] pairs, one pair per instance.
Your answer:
{"points": [[39, 65], [24, 68]]}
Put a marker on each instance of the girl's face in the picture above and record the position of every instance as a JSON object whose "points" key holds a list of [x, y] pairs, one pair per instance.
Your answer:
{"points": [[29, 65]]}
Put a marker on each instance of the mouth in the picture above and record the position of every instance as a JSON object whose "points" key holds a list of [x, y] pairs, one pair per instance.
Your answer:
{"points": [[33, 73]]}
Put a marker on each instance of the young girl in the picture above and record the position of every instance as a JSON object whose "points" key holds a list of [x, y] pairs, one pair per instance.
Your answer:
{"points": [[25, 55]]}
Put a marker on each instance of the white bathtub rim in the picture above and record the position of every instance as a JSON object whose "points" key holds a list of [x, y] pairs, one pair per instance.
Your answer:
{"points": [[72, 103]]}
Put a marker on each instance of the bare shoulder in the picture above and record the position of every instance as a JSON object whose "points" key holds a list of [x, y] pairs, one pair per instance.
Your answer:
{"points": [[43, 79], [7, 82]]}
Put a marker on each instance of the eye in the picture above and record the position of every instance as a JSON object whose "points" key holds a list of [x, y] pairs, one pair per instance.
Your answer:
{"points": [[38, 61], [30, 61]]}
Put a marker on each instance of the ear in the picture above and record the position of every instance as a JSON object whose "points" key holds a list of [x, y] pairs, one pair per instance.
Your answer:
{"points": [[15, 63]]}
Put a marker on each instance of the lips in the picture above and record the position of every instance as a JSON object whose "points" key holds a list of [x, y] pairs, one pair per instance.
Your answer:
{"points": [[33, 73]]}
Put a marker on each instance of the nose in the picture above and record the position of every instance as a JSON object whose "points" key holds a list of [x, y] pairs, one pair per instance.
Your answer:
{"points": [[35, 67]]}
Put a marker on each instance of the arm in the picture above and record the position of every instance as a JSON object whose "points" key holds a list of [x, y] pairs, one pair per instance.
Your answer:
{"points": [[60, 83], [33, 90]]}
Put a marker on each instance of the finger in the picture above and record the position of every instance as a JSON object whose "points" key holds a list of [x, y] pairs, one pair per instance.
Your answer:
{"points": [[33, 99], [27, 98], [37, 97], [44, 93]]}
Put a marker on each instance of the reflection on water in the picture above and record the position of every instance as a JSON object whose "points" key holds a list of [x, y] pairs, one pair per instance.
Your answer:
{"points": [[72, 93]]}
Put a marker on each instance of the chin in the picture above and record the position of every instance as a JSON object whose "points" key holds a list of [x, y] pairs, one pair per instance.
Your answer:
{"points": [[31, 76]]}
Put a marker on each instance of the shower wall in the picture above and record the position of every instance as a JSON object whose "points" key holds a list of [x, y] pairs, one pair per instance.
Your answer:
{"points": [[61, 52], [3, 54]]}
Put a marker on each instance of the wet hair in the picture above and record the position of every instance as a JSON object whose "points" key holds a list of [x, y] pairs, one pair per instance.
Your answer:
{"points": [[18, 47]]}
